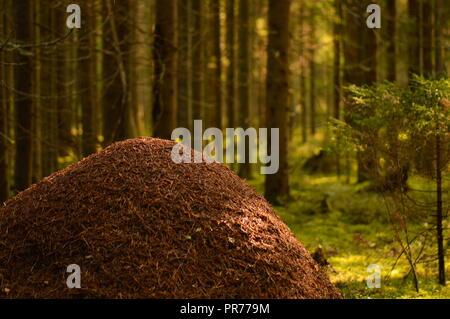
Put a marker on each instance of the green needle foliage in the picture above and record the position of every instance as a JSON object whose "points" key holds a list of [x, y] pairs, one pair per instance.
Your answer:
{"points": [[406, 131]]}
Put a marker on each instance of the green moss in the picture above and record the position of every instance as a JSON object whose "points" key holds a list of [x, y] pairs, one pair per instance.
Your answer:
{"points": [[355, 233]]}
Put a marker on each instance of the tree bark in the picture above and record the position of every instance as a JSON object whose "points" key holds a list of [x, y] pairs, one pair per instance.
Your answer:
{"points": [[414, 53], [439, 212], [49, 102], [23, 102], [337, 59], [438, 25], [115, 63], [215, 64], [244, 80], [360, 53], [197, 60], [165, 69], [312, 74], [427, 38], [277, 108], [391, 40], [4, 180], [68, 77], [303, 105], [88, 85], [184, 65], [231, 56]]}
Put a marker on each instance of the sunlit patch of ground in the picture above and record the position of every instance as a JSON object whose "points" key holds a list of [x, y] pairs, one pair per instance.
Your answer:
{"points": [[352, 227]]}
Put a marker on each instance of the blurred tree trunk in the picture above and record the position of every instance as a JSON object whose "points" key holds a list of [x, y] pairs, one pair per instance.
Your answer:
{"points": [[116, 109], [337, 86], [391, 40], [230, 42], [440, 210], [303, 106], [66, 84], [440, 166], [9, 70], [214, 65], [197, 60], [277, 108], [414, 37], [368, 49], [360, 54], [258, 49], [23, 103], [427, 38], [88, 85], [137, 71], [184, 65], [337, 58], [67, 87], [4, 180], [50, 67], [312, 73], [351, 45], [439, 24], [141, 67], [367, 160], [231, 56], [165, 69], [244, 80], [396, 174], [55, 95], [37, 92]]}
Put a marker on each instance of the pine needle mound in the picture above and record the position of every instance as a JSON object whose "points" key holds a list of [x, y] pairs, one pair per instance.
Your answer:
{"points": [[142, 226]]}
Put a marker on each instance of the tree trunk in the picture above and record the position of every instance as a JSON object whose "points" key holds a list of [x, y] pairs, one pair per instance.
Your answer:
{"points": [[88, 85], [427, 38], [368, 53], [337, 59], [391, 40], [23, 102], [397, 173], [302, 94], [351, 44], [165, 69], [231, 56], [312, 74], [184, 66], [439, 212], [337, 30], [438, 25], [116, 111], [277, 108], [37, 92], [360, 53], [4, 180], [66, 85], [215, 64], [49, 142], [197, 60], [414, 53], [244, 80]]}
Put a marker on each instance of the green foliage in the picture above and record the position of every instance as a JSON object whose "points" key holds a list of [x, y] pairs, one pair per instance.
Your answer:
{"points": [[399, 129], [429, 106], [351, 243], [391, 121]]}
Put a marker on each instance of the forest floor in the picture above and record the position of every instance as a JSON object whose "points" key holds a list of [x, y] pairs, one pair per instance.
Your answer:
{"points": [[351, 226]]}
